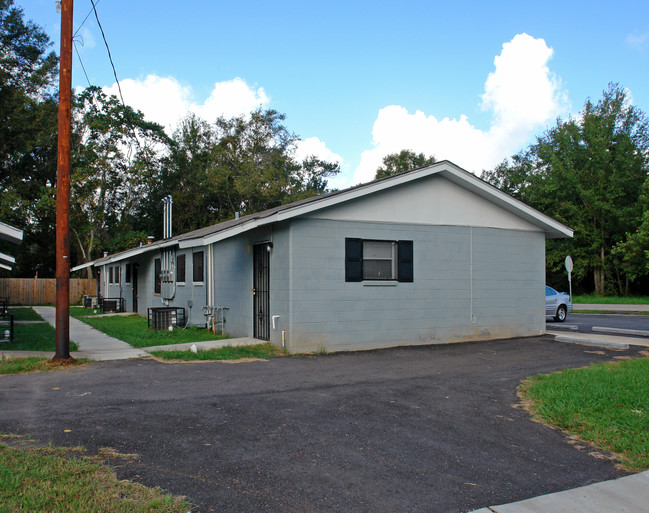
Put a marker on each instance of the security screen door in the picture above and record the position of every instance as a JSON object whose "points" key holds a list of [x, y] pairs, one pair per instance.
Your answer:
{"points": [[261, 291]]}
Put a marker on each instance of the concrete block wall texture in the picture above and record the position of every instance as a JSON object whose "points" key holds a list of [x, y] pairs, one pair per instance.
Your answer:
{"points": [[469, 284]]}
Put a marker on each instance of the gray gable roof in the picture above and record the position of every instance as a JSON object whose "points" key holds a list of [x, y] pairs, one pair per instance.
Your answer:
{"points": [[232, 227]]}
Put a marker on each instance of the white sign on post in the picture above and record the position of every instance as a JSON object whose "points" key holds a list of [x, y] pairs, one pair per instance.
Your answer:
{"points": [[569, 268]]}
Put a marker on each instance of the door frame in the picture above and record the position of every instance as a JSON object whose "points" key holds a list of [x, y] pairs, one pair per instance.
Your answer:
{"points": [[134, 286], [261, 290]]}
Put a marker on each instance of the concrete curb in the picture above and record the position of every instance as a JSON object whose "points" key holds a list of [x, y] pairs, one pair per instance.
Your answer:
{"points": [[586, 341], [210, 344], [611, 308]]}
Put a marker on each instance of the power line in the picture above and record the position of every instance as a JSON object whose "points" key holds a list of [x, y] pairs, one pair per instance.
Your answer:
{"points": [[74, 42], [86, 18], [110, 57]]}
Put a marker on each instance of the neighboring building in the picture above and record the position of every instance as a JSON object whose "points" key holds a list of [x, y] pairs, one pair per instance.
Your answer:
{"points": [[433, 255], [12, 235]]}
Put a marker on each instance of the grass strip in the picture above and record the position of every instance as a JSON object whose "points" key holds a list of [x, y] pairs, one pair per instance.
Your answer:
{"points": [[80, 311], [32, 479], [25, 314], [610, 300], [133, 330], [25, 365], [33, 337], [599, 312], [263, 351], [606, 404]]}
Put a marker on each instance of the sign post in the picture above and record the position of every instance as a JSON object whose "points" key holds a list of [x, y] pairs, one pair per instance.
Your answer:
{"points": [[569, 268]]}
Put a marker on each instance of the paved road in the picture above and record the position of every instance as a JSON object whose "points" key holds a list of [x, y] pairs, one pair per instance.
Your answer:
{"points": [[585, 322], [418, 429]]}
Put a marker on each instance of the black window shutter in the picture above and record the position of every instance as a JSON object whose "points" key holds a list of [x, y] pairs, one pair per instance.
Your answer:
{"points": [[405, 257], [353, 260]]}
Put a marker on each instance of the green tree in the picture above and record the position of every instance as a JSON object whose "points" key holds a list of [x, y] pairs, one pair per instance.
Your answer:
{"points": [[405, 160], [587, 172], [116, 152], [633, 252], [28, 134], [242, 164]]}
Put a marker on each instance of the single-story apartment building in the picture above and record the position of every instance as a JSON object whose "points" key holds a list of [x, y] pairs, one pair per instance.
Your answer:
{"points": [[432, 255]]}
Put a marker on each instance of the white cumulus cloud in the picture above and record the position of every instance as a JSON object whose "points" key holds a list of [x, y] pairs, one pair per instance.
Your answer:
{"points": [[166, 100], [314, 146], [522, 94]]}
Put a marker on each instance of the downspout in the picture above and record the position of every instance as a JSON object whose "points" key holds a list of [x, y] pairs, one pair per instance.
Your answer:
{"points": [[472, 317], [210, 274]]}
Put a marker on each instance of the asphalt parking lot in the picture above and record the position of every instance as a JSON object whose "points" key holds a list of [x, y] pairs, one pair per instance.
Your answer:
{"points": [[432, 429]]}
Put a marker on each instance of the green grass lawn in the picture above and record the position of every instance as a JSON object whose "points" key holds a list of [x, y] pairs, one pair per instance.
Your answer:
{"points": [[610, 300], [133, 330], [56, 479], [33, 337], [606, 404], [263, 351], [80, 311]]}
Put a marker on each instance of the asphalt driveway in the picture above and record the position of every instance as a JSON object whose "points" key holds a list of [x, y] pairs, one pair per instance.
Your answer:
{"points": [[417, 429]]}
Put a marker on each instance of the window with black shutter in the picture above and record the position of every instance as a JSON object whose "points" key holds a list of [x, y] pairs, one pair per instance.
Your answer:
{"points": [[378, 260]]}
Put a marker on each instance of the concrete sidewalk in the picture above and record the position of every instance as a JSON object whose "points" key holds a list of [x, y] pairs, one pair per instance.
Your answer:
{"points": [[93, 344], [629, 494]]}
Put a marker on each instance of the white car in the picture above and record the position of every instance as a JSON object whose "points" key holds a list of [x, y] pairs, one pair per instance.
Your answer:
{"points": [[557, 304]]}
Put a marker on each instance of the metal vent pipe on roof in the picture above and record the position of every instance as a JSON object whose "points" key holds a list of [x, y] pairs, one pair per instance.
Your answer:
{"points": [[167, 202]]}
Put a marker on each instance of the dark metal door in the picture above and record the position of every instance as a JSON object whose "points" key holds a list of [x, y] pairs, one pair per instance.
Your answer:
{"points": [[134, 280], [261, 291]]}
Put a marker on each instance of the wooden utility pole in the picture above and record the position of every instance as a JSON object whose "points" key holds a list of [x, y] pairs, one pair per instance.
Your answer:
{"points": [[62, 353]]}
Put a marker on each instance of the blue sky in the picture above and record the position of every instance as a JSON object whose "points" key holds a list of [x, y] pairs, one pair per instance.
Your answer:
{"points": [[471, 81]]}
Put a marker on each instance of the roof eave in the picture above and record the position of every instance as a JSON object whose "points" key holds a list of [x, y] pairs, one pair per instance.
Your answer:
{"points": [[552, 228], [10, 233]]}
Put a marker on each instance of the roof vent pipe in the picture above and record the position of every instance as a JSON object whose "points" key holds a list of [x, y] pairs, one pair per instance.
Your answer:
{"points": [[166, 225], [149, 239], [105, 254], [236, 215]]}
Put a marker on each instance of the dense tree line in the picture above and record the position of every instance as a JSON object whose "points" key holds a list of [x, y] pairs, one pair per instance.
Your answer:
{"points": [[123, 165], [591, 173]]}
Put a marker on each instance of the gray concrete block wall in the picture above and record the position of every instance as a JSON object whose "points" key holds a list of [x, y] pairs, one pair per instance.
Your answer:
{"points": [[232, 259], [443, 304]]}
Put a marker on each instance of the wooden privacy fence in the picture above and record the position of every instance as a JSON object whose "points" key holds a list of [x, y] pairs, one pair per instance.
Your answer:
{"points": [[39, 291]]}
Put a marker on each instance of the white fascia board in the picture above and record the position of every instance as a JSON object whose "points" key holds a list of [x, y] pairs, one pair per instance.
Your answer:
{"points": [[551, 227], [224, 234], [289, 213], [7, 259], [82, 266], [125, 255], [5, 267], [138, 251], [10, 233]]}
